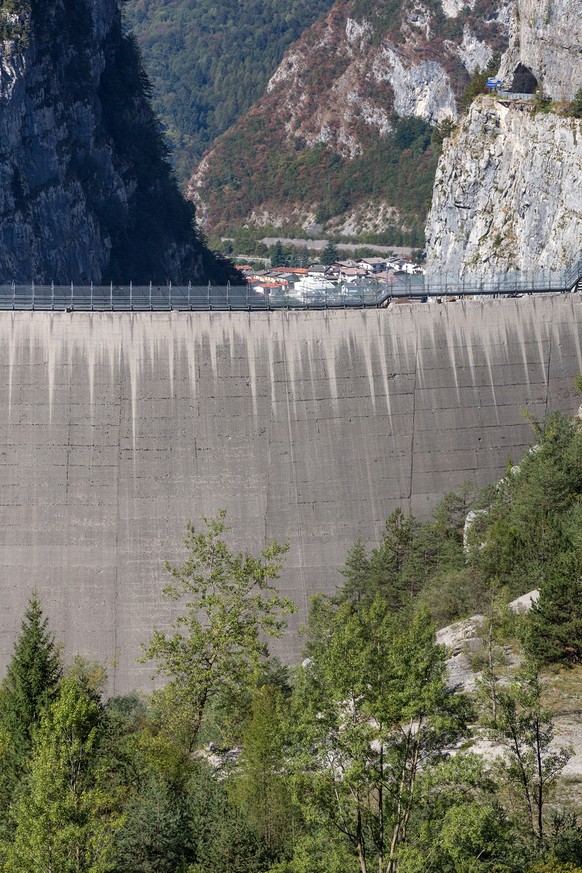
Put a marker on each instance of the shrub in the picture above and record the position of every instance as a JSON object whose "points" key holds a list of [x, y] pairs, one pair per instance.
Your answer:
{"points": [[575, 108]]}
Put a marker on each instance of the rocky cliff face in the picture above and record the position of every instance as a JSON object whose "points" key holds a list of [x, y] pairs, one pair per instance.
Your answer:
{"points": [[508, 193], [546, 36], [339, 91], [85, 192], [508, 188]]}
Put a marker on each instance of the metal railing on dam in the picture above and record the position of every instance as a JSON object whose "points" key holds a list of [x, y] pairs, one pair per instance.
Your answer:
{"points": [[111, 298]]}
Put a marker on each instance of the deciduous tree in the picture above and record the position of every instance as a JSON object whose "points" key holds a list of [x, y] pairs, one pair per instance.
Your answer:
{"points": [[230, 606], [525, 729], [63, 813], [372, 709]]}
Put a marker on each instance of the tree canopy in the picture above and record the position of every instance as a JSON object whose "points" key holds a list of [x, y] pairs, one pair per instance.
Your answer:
{"points": [[231, 607]]}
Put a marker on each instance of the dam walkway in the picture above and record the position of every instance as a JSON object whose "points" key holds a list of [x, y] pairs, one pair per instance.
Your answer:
{"points": [[403, 287]]}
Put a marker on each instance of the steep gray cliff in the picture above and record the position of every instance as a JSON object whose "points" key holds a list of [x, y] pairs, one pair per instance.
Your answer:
{"points": [[508, 188], [546, 36], [85, 191], [508, 193]]}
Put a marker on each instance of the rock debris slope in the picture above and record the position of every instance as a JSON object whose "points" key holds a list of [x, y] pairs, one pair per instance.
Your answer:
{"points": [[85, 191]]}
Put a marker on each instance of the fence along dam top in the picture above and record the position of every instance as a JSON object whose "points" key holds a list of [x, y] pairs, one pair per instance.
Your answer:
{"points": [[190, 297]]}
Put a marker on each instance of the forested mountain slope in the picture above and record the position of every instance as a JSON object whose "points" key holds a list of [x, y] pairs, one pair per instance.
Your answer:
{"points": [[209, 61], [332, 142]]}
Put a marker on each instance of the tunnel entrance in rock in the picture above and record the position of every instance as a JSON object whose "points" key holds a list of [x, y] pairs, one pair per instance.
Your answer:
{"points": [[524, 81]]}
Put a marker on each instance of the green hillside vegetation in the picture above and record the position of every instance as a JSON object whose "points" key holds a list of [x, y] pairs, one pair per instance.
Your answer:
{"points": [[343, 764], [399, 168], [209, 61]]}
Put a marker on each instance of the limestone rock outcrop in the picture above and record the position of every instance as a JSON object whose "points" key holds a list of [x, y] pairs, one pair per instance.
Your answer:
{"points": [[508, 193], [85, 191], [546, 37], [508, 187]]}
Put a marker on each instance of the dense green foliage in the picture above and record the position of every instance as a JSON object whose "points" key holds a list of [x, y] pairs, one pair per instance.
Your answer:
{"points": [[31, 683], [345, 764], [32, 678], [575, 108], [63, 812], [210, 61], [525, 536], [231, 605], [398, 168], [532, 538]]}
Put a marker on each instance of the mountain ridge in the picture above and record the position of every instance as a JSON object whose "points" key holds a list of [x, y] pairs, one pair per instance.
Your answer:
{"points": [[333, 108]]}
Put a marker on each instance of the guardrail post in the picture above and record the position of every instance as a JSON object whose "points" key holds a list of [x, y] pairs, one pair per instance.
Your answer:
{"points": [[52, 295], [228, 293], [13, 295], [151, 307], [91, 298], [131, 295], [72, 296], [32, 299], [189, 298], [170, 294], [111, 296]]}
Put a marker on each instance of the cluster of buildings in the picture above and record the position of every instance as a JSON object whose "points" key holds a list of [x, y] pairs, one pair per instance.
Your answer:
{"points": [[359, 278]]}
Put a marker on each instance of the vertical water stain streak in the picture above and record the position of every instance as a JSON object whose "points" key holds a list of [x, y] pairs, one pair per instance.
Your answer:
{"points": [[306, 426]]}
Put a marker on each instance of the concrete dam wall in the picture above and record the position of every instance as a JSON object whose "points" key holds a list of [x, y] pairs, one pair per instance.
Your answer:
{"points": [[309, 427]]}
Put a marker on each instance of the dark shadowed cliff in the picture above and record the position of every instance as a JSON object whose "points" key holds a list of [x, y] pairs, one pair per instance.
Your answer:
{"points": [[86, 193]]}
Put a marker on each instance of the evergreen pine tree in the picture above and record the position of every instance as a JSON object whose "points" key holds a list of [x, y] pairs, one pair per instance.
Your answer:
{"points": [[330, 253], [357, 588], [32, 679], [30, 684], [154, 835], [278, 258], [554, 627], [262, 790]]}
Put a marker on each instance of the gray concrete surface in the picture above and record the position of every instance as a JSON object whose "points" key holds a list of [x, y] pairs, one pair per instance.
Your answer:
{"points": [[307, 426]]}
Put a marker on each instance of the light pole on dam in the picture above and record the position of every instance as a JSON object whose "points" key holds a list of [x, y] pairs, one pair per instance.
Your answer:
{"points": [[308, 427]]}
